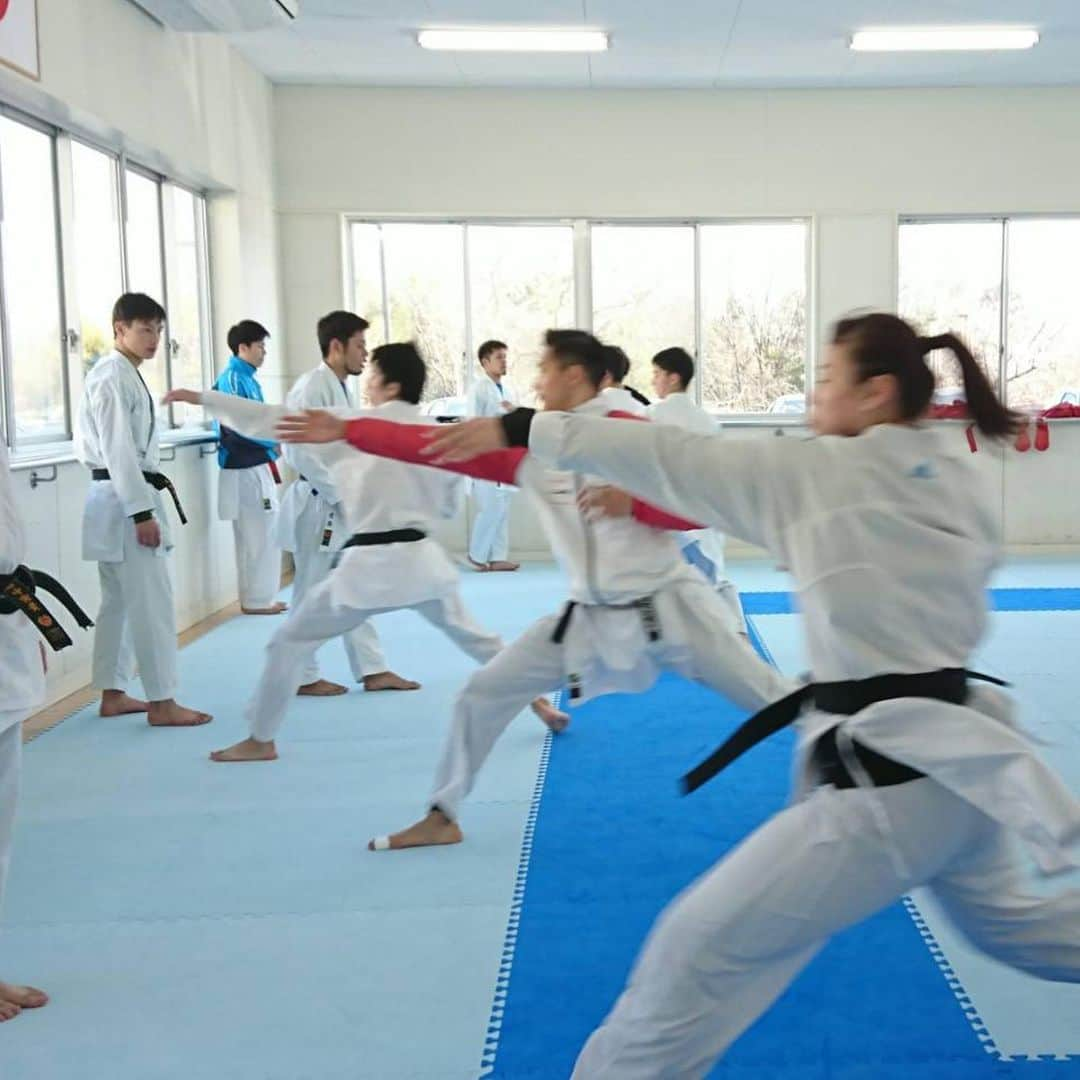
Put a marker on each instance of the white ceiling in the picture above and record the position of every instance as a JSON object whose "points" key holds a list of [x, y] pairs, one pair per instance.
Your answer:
{"points": [[664, 43]]}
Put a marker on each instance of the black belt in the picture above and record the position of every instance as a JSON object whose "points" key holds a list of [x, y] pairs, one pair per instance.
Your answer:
{"points": [[844, 699], [391, 536], [158, 481], [646, 606], [18, 593]]}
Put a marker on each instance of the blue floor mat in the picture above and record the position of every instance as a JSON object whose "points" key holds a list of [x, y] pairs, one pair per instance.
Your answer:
{"points": [[614, 842]]}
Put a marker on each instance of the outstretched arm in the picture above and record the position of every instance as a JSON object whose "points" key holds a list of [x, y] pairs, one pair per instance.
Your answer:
{"points": [[402, 442], [727, 484]]}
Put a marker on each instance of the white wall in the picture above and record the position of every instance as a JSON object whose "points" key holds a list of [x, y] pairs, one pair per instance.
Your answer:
{"points": [[855, 161], [191, 107]]}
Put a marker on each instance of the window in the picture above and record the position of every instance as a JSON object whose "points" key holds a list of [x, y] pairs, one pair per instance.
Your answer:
{"points": [[740, 289], [425, 290], [189, 347], [1006, 286], [521, 283], [78, 230], [643, 292], [753, 312], [950, 279], [146, 272], [99, 266], [1043, 329], [30, 290]]}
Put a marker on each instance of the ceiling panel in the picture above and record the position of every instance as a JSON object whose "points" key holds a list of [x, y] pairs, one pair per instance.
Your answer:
{"points": [[720, 43]]}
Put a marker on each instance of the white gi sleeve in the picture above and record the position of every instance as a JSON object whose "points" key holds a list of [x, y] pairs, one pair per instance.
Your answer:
{"points": [[110, 410], [744, 488]]}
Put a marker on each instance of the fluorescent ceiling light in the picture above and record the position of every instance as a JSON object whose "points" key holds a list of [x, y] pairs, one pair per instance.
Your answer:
{"points": [[569, 41], [944, 39]]}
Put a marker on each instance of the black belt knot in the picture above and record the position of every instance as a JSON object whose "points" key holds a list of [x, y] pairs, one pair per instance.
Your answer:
{"points": [[157, 480], [390, 536], [18, 592], [844, 699]]}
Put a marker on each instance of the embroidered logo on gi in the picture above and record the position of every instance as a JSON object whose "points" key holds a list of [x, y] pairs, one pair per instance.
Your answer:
{"points": [[923, 471]]}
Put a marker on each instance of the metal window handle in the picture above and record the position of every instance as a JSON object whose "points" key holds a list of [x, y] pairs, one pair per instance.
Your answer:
{"points": [[170, 450], [174, 348], [71, 339], [208, 450]]}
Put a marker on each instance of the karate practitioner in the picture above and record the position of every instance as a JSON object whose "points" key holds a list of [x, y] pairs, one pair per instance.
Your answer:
{"points": [[623, 398], [247, 487], [126, 530], [311, 519], [22, 690], [635, 607], [388, 562], [910, 774], [673, 370], [490, 396]]}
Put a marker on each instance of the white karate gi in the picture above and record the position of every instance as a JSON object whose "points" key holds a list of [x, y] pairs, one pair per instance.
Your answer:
{"points": [[703, 548], [311, 521], [490, 539], [117, 430], [22, 676], [891, 538], [619, 399], [376, 495], [611, 563], [248, 498]]}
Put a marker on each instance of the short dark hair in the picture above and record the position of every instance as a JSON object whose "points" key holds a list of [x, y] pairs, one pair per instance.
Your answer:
{"points": [[246, 332], [400, 362], [488, 348], [577, 347], [339, 326], [617, 362], [137, 305], [678, 362]]}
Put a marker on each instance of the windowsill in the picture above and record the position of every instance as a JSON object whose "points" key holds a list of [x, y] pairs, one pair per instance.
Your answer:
{"points": [[63, 453]]}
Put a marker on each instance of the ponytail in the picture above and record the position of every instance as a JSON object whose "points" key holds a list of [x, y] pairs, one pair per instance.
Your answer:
{"points": [[883, 344], [991, 417]]}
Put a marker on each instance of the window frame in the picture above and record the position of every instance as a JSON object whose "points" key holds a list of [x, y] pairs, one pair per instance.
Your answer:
{"points": [[50, 448], [581, 232]]}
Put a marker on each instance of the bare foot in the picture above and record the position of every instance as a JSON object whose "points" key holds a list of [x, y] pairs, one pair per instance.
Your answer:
{"points": [[387, 680], [554, 718], [479, 567], [432, 831], [273, 609], [170, 714], [13, 999], [117, 703], [247, 750], [502, 566], [322, 688]]}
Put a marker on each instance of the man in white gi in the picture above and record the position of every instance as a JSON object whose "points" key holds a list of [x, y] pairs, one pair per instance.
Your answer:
{"points": [[387, 563], [247, 487], [909, 773], [636, 608], [489, 543], [673, 371], [312, 519], [25, 623], [125, 527]]}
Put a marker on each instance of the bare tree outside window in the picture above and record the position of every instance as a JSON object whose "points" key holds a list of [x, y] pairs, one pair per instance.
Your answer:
{"points": [[754, 298]]}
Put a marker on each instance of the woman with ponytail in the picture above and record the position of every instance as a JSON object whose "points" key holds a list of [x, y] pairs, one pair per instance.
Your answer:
{"points": [[911, 770]]}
